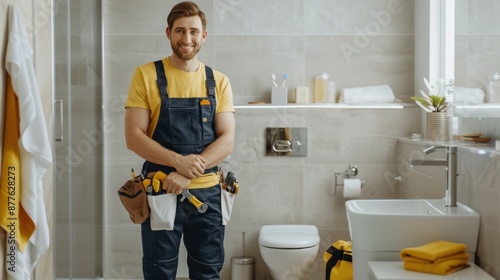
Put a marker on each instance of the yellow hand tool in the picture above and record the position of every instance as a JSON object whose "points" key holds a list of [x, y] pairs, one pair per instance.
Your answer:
{"points": [[146, 183], [202, 207], [156, 186], [160, 175], [158, 179]]}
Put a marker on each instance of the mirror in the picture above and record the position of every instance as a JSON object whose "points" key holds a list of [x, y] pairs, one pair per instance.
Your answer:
{"points": [[476, 57]]}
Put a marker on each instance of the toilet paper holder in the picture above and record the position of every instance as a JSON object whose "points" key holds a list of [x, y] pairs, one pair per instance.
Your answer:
{"points": [[351, 172]]}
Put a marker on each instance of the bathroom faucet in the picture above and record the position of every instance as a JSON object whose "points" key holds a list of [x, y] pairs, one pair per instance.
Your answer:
{"points": [[451, 166]]}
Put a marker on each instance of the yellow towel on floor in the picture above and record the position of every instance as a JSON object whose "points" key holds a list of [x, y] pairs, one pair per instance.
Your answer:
{"points": [[439, 257]]}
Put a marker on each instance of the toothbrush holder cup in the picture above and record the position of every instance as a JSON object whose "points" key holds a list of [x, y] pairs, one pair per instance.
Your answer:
{"points": [[279, 95]]}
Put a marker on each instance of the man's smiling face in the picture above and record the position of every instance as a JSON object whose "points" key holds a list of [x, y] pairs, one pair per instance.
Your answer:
{"points": [[186, 37]]}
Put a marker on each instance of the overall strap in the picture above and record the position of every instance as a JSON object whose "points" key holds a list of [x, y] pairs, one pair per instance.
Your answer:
{"points": [[210, 82], [161, 79]]}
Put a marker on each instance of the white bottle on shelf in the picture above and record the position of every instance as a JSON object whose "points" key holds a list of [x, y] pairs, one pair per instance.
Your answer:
{"points": [[494, 88]]}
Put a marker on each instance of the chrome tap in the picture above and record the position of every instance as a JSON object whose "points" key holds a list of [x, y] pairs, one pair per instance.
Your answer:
{"points": [[451, 167]]}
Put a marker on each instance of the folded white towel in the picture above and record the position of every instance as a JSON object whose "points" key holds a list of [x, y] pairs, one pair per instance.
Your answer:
{"points": [[463, 95], [369, 94]]}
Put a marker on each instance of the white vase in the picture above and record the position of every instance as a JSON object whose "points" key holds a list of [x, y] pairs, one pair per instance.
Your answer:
{"points": [[437, 126]]}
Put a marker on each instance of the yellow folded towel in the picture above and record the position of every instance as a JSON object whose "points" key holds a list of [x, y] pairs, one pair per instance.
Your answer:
{"points": [[461, 255], [444, 268], [439, 257], [434, 250]]}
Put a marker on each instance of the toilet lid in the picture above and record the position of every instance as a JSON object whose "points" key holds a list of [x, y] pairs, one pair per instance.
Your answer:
{"points": [[289, 240]]}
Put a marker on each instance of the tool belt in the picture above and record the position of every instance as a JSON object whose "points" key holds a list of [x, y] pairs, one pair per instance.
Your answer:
{"points": [[338, 261], [144, 197]]}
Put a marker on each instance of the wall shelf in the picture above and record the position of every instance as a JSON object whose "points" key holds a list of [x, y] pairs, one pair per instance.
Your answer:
{"points": [[329, 105], [486, 110]]}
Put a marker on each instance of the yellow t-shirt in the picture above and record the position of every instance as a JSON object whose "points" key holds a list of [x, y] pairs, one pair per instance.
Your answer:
{"points": [[144, 93]]}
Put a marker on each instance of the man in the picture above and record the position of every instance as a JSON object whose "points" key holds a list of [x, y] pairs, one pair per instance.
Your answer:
{"points": [[180, 118]]}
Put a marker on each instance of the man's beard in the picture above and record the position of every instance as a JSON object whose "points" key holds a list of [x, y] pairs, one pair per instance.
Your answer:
{"points": [[185, 56]]}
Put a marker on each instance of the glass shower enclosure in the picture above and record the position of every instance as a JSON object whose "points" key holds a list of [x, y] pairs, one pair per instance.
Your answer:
{"points": [[78, 175]]}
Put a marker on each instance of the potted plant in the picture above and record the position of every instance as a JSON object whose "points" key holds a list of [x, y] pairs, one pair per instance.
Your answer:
{"points": [[435, 105], [435, 101]]}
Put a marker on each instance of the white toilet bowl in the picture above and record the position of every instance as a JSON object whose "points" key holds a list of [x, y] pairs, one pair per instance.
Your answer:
{"points": [[289, 251]]}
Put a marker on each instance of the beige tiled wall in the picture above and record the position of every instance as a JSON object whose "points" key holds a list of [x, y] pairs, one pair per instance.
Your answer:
{"points": [[350, 41]]}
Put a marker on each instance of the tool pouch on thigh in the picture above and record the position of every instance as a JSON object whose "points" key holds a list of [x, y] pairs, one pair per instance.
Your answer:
{"points": [[135, 201], [230, 188], [163, 207], [227, 200]]}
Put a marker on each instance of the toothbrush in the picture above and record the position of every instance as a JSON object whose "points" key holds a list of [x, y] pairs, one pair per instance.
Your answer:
{"points": [[274, 80], [285, 76]]}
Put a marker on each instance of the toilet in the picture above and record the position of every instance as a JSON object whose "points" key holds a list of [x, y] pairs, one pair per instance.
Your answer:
{"points": [[289, 251]]}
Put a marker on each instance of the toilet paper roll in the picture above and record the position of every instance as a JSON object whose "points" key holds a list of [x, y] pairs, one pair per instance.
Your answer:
{"points": [[352, 188]]}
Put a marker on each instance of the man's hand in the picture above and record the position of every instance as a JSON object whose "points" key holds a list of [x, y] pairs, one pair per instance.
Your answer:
{"points": [[175, 182], [191, 166]]}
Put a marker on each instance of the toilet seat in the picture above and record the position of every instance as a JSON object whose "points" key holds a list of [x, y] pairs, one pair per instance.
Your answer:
{"points": [[288, 236]]}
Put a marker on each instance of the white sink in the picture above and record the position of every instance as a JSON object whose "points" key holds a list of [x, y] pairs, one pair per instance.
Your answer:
{"points": [[394, 224], [380, 229]]}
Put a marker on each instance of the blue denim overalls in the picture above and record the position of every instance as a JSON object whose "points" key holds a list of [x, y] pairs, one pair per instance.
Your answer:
{"points": [[186, 126]]}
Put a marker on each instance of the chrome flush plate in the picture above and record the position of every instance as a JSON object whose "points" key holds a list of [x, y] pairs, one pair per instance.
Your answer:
{"points": [[286, 141]]}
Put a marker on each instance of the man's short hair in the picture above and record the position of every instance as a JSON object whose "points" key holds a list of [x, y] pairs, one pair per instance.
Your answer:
{"points": [[186, 9]]}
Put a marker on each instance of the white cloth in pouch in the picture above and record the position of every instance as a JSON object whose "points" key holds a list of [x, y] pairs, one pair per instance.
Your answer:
{"points": [[163, 209], [227, 200]]}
